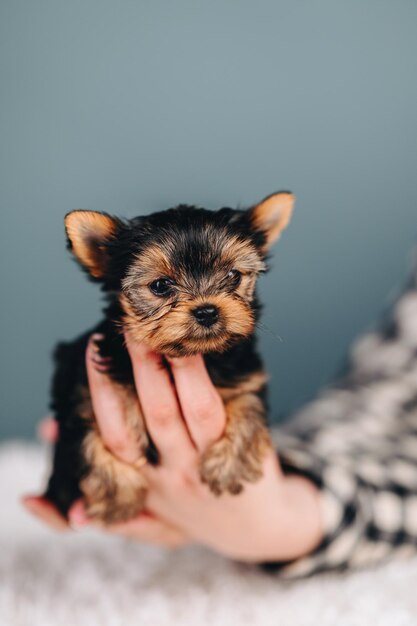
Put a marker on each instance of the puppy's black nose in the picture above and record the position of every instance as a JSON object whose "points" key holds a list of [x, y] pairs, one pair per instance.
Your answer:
{"points": [[206, 315]]}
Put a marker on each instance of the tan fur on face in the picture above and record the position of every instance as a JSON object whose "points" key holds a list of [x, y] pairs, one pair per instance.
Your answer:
{"points": [[167, 324], [242, 256], [178, 326], [154, 262], [148, 266]]}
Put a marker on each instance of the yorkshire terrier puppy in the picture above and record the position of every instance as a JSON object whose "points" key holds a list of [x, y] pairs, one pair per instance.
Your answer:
{"points": [[181, 281]]}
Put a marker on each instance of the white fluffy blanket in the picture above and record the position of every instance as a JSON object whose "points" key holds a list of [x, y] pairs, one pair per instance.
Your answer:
{"points": [[86, 579]]}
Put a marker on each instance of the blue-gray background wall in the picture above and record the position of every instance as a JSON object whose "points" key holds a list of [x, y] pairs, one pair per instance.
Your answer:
{"points": [[131, 106]]}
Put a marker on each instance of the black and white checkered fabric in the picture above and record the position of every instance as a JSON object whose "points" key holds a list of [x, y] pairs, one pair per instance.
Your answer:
{"points": [[358, 443]]}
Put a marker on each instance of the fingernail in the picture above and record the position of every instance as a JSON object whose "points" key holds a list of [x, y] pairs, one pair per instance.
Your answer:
{"points": [[101, 363], [95, 339]]}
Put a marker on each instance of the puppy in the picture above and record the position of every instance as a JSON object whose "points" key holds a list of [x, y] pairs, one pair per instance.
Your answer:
{"points": [[181, 281]]}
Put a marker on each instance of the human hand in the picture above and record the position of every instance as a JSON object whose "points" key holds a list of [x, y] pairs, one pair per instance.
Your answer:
{"points": [[276, 518]]}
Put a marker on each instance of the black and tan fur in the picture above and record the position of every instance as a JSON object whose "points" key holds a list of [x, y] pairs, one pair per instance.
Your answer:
{"points": [[208, 261]]}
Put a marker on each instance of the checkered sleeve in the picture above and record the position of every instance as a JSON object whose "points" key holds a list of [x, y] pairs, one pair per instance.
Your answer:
{"points": [[358, 444]]}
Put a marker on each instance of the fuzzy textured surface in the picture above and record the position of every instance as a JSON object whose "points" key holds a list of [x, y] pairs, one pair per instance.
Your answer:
{"points": [[87, 579]]}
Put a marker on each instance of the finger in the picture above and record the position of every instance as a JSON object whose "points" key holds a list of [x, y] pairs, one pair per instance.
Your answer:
{"points": [[48, 429], [201, 404], [160, 406], [44, 510], [149, 529], [108, 406]]}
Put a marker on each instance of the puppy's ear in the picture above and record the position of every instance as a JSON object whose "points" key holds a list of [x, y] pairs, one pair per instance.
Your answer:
{"points": [[89, 234], [272, 215]]}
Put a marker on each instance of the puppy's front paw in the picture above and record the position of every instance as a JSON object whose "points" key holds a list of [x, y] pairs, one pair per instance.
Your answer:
{"points": [[225, 467], [221, 470], [238, 456]]}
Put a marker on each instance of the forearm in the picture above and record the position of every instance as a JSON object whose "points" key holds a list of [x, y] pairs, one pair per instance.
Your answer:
{"points": [[366, 485]]}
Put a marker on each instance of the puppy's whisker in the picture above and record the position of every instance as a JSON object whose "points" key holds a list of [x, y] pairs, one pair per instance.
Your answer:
{"points": [[268, 331]]}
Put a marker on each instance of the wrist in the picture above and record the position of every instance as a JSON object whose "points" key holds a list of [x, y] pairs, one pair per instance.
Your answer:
{"points": [[296, 522]]}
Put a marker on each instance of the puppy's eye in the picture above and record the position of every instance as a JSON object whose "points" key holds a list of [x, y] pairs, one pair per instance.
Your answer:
{"points": [[234, 277], [161, 287]]}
